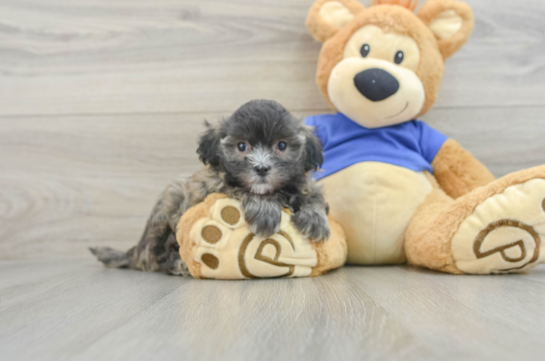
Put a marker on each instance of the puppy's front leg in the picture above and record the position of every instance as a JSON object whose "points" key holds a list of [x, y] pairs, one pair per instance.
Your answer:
{"points": [[311, 216], [263, 214]]}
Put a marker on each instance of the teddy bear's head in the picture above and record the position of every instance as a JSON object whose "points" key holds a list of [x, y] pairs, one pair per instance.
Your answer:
{"points": [[383, 65]]}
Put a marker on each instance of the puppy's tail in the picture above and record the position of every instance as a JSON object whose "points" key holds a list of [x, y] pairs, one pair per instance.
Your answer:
{"points": [[141, 259], [111, 258]]}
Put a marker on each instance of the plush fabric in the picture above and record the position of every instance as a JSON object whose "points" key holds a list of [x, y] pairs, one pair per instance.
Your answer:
{"points": [[215, 243], [395, 19], [319, 26], [457, 171], [428, 241], [411, 145], [450, 215], [434, 9], [374, 203], [409, 4]]}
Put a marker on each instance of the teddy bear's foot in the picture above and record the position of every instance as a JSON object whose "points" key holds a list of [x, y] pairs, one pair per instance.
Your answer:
{"points": [[504, 233], [496, 228], [225, 248], [215, 242]]}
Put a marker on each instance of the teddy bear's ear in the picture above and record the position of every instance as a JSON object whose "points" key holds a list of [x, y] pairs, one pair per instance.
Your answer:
{"points": [[451, 22], [326, 17]]}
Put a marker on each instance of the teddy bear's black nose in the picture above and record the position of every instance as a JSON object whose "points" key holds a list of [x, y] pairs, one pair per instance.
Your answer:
{"points": [[376, 84]]}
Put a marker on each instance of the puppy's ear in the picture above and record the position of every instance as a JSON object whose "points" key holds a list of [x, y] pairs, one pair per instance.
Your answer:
{"points": [[314, 154], [209, 145]]}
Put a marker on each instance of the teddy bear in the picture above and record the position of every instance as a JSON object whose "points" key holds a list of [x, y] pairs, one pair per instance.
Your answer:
{"points": [[401, 190]]}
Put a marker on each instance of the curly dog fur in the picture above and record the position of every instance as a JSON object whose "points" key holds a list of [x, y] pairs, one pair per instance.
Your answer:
{"points": [[261, 155]]}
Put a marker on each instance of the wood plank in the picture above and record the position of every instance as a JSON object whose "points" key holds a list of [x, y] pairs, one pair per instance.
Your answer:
{"points": [[87, 312], [306, 319], [463, 317], [71, 311], [96, 57], [272, 319], [504, 139], [59, 174], [67, 183]]}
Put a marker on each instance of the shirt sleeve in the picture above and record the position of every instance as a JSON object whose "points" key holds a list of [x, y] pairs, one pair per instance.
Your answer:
{"points": [[310, 121], [431, 141]]}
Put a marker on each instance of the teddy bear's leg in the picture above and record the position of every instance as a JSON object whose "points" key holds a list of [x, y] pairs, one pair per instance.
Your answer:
{"points": [[497, 228]]}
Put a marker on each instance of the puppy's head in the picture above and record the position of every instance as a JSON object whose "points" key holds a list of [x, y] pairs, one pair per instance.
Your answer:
{"points": [[261, 147]]}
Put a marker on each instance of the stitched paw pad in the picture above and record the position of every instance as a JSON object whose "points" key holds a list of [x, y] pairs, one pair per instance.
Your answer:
{"points": [[505, 233]]}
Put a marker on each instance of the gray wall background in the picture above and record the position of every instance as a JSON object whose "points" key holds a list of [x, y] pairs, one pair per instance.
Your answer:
{"points": [[101, 101]]}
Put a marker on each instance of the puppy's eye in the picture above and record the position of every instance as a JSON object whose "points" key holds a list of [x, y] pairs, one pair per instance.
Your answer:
{"points": [[242, 147], [365, 49], [399, 57], [282, 146]]}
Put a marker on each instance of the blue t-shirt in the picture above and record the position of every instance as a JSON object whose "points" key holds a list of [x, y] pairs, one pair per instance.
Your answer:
{"points": [[412, 145]]}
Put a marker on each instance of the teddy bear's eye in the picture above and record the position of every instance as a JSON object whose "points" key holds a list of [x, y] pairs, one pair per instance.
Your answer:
{"points": [[399, 57], [365, 49]]}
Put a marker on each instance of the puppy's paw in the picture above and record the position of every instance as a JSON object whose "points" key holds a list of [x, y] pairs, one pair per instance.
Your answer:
{"points": [[263, 218], [265, 227], [313, 224]]}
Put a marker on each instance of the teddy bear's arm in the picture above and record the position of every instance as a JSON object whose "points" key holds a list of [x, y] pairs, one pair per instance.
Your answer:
{"points": [[457, 171]]}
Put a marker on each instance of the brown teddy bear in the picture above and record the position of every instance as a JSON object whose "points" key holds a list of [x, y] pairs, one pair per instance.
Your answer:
{"points": [[401, 190]]}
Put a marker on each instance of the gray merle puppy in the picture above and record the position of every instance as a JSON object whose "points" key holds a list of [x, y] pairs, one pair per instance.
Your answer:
{"points": [[261, 155]]}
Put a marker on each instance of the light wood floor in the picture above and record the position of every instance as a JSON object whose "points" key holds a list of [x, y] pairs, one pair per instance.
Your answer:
{"points": [[101, 102], [78, 310]]}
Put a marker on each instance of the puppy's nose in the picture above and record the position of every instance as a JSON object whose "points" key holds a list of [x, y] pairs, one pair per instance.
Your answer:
{"points": [[376, 84], [262, 170]]}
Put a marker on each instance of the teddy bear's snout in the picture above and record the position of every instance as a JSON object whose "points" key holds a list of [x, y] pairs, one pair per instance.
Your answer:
{"points": [[376, 84]]}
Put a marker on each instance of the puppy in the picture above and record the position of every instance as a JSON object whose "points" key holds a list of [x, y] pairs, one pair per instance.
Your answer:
{"points": [[262, 156]]}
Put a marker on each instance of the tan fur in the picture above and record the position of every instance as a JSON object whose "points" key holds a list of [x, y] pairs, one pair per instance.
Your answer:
{"points": [[320, 29], [457, 171], [331, 254], [432, 8], [409, 4], [428, 238], [460, 182], [392, 19]]}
